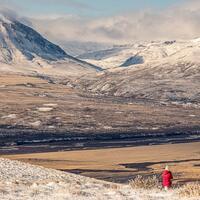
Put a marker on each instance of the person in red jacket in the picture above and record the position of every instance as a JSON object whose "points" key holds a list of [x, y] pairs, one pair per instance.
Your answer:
{"points": [[167, 178]]}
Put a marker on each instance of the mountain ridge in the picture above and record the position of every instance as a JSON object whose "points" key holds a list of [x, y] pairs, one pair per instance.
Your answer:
{"points": [[164, 71], [154, 52], [22, 45]]}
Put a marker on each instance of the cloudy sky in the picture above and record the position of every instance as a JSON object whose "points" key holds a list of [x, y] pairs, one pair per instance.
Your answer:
{"points": [[110, 21], [89, 8]]}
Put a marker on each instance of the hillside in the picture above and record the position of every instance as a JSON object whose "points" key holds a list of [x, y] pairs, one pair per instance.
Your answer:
{"points": [[157, 71], [146, 53], [76, 48], [20, 181]]}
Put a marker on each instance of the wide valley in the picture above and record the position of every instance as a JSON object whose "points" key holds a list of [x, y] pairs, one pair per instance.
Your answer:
{"points": [[122, 164]]}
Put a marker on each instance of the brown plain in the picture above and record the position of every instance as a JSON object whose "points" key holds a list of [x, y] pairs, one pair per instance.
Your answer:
{"points": [[107, 164], [77, 112]]}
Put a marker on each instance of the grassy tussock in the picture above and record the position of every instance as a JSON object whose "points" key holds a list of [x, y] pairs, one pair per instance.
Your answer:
{"points": [[190, 190], [140, 182]]}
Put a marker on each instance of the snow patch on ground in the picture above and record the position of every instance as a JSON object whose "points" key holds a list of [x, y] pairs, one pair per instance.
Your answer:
{"points": [[11, 116], [35, 124], [45, 109]]}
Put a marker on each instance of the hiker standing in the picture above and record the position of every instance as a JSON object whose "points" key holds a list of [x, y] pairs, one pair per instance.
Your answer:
{"points": [[167, 178]]}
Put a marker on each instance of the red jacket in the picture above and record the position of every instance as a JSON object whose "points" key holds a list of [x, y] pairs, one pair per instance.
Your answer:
{"points": [[166, 177]]}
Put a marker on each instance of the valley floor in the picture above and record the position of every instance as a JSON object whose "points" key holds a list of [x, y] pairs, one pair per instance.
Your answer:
{"points": [[107, 135], [122, 164], [40, 104]]}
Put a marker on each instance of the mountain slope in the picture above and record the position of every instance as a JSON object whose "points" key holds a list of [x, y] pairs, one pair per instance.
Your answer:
{"points": [[158, 71], [26, 50], [146, 53], [76, 48], [29, 42]]}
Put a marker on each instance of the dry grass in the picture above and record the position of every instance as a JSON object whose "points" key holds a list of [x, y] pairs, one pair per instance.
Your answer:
{"points": [[3, 189], [106, 163], [190, 190], [148, 183], [23, 95]]}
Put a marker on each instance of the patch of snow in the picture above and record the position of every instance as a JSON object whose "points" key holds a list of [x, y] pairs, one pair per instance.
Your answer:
{"points": [[35, 124], [45, 109], [11, 116], [4, 19], [107, 127], [51, 127], [192, 115]]}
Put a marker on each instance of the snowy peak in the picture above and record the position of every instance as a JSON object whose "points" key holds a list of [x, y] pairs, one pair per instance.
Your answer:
{"points": [[146, 53], [22, 49], [17, 37], [4, 19], [166, 71]]}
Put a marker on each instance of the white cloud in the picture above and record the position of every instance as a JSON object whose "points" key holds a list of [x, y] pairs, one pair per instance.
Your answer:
{"points": [[178, 22]]}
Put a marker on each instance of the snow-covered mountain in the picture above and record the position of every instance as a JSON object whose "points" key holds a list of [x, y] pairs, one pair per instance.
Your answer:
{"points": [[76, 48], [104, 53], [157, 71], [23, 49], [143, 53], [164, 70]]}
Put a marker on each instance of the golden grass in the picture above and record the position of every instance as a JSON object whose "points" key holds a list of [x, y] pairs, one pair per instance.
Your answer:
{"points": [[18, 79], [190, 190], [16, 97], [147, 183], [103, 163]]}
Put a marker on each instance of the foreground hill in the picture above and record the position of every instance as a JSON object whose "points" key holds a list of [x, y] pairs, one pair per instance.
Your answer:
{"points": [[23, 181]]}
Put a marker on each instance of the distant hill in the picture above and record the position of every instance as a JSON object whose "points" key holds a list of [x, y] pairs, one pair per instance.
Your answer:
{"points": [[158, 71]]}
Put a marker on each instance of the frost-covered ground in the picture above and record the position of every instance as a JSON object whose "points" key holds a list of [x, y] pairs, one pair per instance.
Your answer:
{"points": [[20, 181]]}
